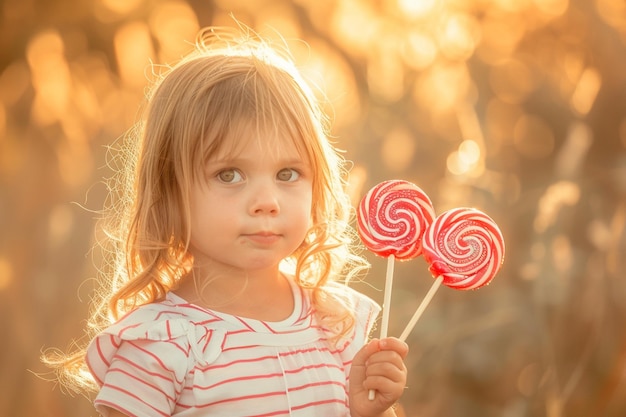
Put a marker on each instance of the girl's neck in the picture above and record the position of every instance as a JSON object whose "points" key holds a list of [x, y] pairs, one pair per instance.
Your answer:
{"points": [[260, 295]]}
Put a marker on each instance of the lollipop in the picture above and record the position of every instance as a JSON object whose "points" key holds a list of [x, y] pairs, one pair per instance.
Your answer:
{"points": [[392, 218], [465, 247], [465, 250]]}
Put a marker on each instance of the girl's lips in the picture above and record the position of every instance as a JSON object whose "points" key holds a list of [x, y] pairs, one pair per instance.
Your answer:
{"points": [[264, 238]]}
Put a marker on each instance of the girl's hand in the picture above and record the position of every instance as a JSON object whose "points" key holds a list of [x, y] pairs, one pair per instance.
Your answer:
{"points": [[378, 366]]}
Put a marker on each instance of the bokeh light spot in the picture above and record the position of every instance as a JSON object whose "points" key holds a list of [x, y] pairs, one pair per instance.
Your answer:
{"points": [[50, 77], [6, 273], [458, 36], [175, 26], [586, 91], [418, 50], [121, 7], [415, 9], [133, 50]]}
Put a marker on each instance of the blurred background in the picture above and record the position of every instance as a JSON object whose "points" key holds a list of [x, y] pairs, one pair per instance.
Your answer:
{"points": [[516, 107]]}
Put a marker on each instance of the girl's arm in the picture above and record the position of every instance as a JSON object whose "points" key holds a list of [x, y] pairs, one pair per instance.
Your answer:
{"points": [[378, 366]]}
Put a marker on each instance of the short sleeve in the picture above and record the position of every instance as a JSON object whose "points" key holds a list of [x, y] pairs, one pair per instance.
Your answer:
{"points": [[136, 381], [365, 312], [141, 364]]}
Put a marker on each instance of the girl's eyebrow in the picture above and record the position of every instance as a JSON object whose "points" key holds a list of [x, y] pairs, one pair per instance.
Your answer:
{"points": [[237, 160]]}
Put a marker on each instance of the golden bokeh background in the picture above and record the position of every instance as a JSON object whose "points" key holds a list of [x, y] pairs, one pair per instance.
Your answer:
{"points": [[516, 107]]}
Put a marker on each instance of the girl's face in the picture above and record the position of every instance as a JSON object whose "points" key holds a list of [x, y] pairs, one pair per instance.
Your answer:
{"points": [[253, 208]]}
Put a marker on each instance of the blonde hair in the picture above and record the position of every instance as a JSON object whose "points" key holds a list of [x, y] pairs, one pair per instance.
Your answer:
{"points": [[197, 107]]}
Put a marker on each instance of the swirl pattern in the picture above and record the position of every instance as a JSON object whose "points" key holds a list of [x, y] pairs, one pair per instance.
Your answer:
{"points": [[392, 219], [465, 247]]}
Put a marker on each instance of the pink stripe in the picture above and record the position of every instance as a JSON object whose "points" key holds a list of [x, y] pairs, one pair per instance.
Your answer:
{"points": [[235, 362], [125, 329], [142, 369], [316, 366], [128, 393], [156, 358], [94, 374], [101, 354], [239, 379], [169, 313], [143, 381], [242, 398], [317, 384], [316, 403]]}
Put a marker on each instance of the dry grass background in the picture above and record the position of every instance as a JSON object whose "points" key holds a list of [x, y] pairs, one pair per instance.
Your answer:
{"points": [[516, 107]]}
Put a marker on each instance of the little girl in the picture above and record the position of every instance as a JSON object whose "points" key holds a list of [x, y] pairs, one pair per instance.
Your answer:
{"points": [[227, 297]]}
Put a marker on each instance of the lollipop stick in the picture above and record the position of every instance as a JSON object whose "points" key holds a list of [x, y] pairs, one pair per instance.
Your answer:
{"points": [[433, 289], [387, 296], [384, 326]]}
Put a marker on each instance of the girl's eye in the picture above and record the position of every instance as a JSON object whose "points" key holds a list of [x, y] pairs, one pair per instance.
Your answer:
{"points": [[229, 176], [288, 174]]}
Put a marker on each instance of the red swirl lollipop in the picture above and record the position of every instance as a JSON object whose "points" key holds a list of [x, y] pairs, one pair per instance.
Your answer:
{"points": [[392, 218], [465, 247], [465, 250]]}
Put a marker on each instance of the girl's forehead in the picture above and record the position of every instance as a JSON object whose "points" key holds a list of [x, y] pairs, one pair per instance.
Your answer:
{"points": [[265, 144]]}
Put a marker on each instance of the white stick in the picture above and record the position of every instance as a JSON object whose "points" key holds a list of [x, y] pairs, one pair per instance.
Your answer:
{"points": [[433, 289], [384, 326]]}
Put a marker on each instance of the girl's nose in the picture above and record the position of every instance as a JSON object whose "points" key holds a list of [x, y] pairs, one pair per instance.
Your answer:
{"points": [[264, 200]]}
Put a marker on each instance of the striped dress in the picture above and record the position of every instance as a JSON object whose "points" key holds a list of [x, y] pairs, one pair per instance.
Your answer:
{"points": [[173, 358]]}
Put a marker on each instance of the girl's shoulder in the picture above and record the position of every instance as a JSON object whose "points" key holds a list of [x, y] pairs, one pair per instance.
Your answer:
{"points": [[353, 299], [172, 330], [168, 319]]}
